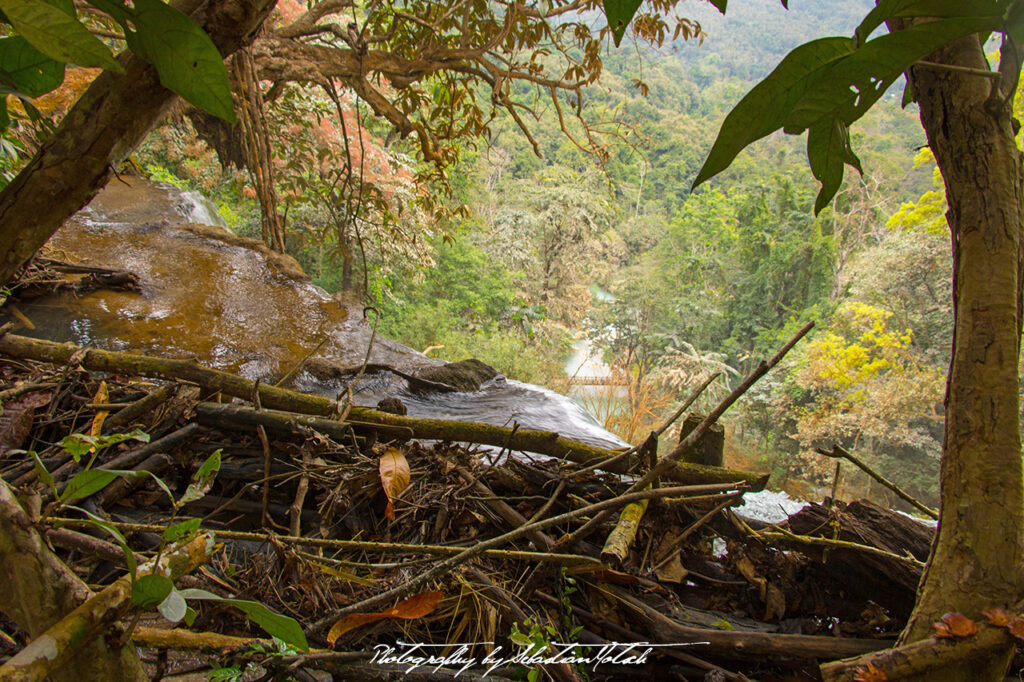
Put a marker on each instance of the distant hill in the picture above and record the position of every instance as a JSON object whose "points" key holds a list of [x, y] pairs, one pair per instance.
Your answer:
{"points": [[748, 41]]}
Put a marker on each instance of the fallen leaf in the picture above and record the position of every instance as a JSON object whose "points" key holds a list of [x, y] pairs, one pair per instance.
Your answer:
{"points": [[959, 625], [774, 603], [416, 606], [394, 476], [998, 617], [100, 398], [671, 571], [870, 674], [1016, 628]]}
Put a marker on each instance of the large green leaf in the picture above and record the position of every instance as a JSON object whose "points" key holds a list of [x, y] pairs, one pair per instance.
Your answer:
{"points": [[764, 109], [186, 59], [31, 71], [57, 35], [942, 9], [274, 624], [90, 482], [828, 151], [620, 13], [850, 86]]}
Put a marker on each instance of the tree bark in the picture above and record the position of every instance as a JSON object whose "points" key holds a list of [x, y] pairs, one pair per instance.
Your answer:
{"points": [[99, 132], [39, 590], [975, 562]]}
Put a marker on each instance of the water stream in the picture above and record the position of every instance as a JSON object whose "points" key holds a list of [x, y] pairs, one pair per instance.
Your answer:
{"points": [[232, 304]]}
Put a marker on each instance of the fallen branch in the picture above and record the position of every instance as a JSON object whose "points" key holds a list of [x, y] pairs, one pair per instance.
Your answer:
{"points": [[838, 451], [64, 639], [352, 545], [276, 398], [920, 658], [735, 642]]}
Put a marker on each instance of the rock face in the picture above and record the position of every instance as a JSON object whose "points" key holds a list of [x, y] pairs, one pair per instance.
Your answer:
{"points": [[465, 375]]}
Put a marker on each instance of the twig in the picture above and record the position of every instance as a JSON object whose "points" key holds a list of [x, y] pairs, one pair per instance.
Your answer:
{"points": [[300, 496], [838, 451], [664, 427], [352, 545], [730, 498], [298, 365], [783, 534]]}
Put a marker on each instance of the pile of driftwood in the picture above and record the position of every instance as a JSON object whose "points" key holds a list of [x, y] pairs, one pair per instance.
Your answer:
{"points": [[559, 560]]}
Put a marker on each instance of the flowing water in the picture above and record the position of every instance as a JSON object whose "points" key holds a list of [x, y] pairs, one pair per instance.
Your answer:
{"points": [[231, 304]]}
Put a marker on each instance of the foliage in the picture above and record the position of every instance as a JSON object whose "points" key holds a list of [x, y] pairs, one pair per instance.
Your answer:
{"points": [[49, 35]]}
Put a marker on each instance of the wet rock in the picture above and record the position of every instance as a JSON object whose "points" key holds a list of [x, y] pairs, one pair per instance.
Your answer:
{"points": [[465, 375], [392, 406]]}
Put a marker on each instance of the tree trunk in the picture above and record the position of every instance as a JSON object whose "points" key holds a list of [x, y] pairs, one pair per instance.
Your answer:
{"points": [[39, 591], [99, 132], [976, 560]]}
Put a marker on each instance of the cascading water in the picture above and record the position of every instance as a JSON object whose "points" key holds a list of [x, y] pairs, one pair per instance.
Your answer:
{"points": [[232, 304]]}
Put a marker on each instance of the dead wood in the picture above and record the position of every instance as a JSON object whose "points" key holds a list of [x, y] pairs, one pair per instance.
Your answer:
{"points": [[542, 442], [888, 582], [735, 643], [918, 659], [64, 639]]}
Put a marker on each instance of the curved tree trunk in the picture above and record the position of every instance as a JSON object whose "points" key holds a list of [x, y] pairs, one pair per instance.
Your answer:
{"points": [[39, 590], [976, 560]]}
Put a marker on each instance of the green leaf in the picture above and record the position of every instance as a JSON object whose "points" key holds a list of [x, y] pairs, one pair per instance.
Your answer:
{"points": [[57, 35], [274, 624], [1014, 23], [40, 468], [66, 6], [764, 109], [31, 71], [184, 56], [828, 150], [173, 607], [151, 590], [86, 483], [103, 524], [849, 87], [190, 616], [178, 531], [620, 13], [942, 9], [202, 480], [720, 4]]}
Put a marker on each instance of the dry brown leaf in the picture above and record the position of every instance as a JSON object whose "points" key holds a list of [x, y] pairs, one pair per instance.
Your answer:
{"points": [[870, 674], [100, 398], [774, 603], [394, 476], [959, 625], [671, 571], [998, 617], [941, 630], [416, 606], [1016, 628]]}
